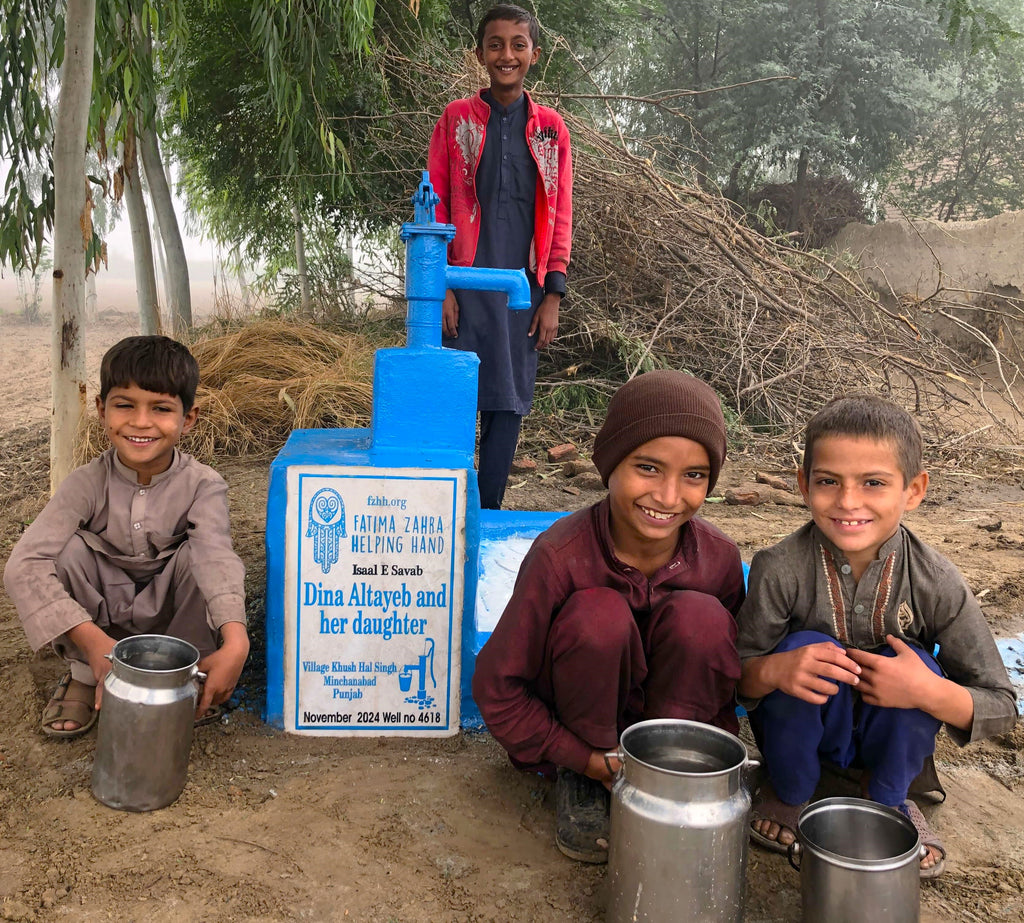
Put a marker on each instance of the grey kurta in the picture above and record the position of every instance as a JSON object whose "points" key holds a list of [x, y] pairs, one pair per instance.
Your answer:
{"points": [[911, 591], [137, 528]]}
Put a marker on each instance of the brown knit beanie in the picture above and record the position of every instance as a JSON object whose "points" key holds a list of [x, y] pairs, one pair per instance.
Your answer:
{"points": [[661, 403]]}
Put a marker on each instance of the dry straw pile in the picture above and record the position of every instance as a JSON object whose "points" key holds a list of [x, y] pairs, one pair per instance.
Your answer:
{"points": [[264, 379]]}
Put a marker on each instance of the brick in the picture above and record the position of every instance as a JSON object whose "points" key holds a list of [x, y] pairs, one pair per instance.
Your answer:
{"points": [[746, 495], [524, 465], [773, 480], [562, 453]]}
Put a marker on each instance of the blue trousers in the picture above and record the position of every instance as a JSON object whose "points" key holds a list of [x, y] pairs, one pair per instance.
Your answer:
{"points": [[794, 736], [499, 436]]}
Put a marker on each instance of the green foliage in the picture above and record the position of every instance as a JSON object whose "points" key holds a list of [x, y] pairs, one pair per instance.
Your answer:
{"points": [[983, 27], [968, 159], [335, 297], [124, 82], [30, 45], [297, 46], [141, 49], [824, 81], [269, 125], [581, 399]]}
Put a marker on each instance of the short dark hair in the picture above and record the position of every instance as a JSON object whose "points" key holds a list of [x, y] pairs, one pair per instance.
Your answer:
{"points": [[153, 363], [512, 13], [868, 416]]}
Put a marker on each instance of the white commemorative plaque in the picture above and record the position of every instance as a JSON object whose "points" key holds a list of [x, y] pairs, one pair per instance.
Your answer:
{"points": [[373, 601]]}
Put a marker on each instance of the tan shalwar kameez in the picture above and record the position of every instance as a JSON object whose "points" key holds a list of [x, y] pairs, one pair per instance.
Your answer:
{"points": [[133, 558]]}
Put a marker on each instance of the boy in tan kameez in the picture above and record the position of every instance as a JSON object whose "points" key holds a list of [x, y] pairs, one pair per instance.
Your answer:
{"points": [[135, 542]]}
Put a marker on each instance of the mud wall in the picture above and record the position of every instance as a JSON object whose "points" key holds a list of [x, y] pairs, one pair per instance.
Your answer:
{"points": [[979, 264]]}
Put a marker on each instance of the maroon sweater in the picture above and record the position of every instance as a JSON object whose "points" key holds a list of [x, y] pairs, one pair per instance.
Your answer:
{"points": [[576, 553]]}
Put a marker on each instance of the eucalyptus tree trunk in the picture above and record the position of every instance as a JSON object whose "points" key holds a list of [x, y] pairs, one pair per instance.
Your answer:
{"points": [[159, 259], [72, 225], [179, 291], [306, 304], [142, 245], [91, 298]]}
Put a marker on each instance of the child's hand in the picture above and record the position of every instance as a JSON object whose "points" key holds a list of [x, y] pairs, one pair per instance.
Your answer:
{"points": [[95, 643], [450, 315], [545, 320], [811, 672], [223, 667], [903, 681], [601, 769]]}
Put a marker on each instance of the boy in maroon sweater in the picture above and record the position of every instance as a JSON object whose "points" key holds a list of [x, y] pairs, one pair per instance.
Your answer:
{"points": [[621, 612]]}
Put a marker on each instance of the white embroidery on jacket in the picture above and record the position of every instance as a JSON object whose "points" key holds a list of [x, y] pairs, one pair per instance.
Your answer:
{"points": [[469, 137], [544, 144]]}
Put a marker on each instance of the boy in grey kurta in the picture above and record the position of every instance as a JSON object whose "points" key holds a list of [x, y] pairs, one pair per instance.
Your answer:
{"points": [[839, 629], [135, 542]]}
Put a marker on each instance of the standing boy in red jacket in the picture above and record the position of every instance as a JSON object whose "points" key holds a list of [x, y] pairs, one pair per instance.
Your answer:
{"points": [[502, 168]]}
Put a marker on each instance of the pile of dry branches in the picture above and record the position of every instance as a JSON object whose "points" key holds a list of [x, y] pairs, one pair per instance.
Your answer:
{"points": [[664, 273]]}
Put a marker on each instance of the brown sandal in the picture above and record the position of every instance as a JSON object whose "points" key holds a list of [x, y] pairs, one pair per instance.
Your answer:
{"points": [[213, 716], [71, 701], [928, 838], [768, 806]]}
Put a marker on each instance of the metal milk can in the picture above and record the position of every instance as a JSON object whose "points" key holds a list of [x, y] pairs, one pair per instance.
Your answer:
{"points": [[679, 817], [146, 721], [858, 861]]}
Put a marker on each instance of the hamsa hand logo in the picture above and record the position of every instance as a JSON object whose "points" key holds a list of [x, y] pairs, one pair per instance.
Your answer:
{"points": [[326, 526]]}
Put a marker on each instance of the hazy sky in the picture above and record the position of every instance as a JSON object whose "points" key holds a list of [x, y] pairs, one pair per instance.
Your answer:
{"points": [[115, 283]]}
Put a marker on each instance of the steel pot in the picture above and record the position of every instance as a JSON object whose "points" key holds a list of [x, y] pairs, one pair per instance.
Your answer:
{"points": [[858, 862]]}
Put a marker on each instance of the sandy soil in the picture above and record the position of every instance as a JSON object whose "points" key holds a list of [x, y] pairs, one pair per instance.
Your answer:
{"points": [[274, 827]]}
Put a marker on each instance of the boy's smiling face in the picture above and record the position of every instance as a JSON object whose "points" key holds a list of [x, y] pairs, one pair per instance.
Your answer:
{"points": [[653, 492], [144, 427], [508, 53], [857, 495]]}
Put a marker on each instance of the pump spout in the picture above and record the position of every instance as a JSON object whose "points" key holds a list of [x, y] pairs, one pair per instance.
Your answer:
{"points": [[512, 282]]}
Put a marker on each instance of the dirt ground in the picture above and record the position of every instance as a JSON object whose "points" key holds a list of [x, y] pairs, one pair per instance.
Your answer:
{"points": [[275, 827]]}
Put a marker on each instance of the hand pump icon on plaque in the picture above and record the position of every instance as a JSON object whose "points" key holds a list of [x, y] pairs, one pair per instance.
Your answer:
{"points": [[421, 700]]}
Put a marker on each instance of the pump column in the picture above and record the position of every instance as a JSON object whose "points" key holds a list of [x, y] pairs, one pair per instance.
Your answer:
{"points": [[426, 249]]}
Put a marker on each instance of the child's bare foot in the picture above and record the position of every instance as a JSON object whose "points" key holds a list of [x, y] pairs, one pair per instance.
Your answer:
{"points": [[71, 710], [773, 822]]}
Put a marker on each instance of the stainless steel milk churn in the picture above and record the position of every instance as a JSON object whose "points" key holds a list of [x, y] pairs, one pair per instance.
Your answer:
{"points": [[679, 816], [146, 721]]}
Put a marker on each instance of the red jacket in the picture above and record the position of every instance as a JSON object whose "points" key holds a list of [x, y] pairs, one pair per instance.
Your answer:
{"points": [[455, 150]]}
